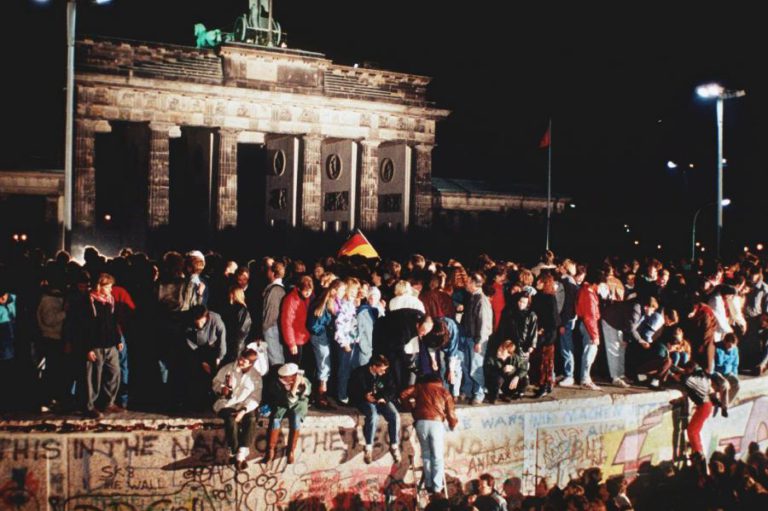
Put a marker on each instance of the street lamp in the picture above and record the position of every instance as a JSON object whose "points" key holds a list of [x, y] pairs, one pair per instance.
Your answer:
{"points": [[718, 92], [66, 226], [694, 244]]}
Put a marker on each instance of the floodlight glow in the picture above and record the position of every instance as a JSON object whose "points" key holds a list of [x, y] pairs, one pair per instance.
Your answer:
{"points": [[710, 90], [759, 246], [671, 165], [726, 202]]}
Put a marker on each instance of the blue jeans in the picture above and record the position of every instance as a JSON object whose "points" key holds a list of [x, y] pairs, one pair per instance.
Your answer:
{"points": [[431, 436], [474, 381], [371, 411], [322, 351], [275, 353], [588, 357], [679, 358], [566, 348], [346, 361], [122, 394]]}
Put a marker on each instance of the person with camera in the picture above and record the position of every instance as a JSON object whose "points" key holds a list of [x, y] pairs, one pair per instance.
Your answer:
{"points": [[372, 390], [238, 387], [288, 396]]}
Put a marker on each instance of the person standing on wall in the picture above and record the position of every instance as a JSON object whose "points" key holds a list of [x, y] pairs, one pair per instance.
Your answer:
{"points": [[431, 406]]}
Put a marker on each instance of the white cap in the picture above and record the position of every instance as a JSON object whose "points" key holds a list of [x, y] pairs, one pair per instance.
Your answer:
{"points": [[289, 369], [196, 254]]}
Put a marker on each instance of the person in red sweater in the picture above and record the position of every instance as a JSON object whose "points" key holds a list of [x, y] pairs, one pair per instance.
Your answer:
{"points": [[124, 310], [293, 319], [588, 311], [498, 300]]}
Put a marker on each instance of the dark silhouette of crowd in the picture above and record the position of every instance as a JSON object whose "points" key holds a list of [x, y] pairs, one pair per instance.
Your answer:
{"points": [[276, 336]]}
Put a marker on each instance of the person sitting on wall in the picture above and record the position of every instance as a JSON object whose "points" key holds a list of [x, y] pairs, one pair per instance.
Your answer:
{"points": [[288, 395], [507, 373], [372, 390], [238, 387]]}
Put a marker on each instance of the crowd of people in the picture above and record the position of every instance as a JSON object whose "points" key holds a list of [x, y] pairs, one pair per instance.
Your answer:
{"points": [[724, 483], [276, 337]]}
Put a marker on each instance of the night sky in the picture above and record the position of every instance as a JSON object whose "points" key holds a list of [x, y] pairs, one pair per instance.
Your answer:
{"points": [[618, 82]]}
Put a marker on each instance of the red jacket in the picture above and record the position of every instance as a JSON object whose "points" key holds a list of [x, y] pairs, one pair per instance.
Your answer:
{"points": [[124, 307], [293, 319], [498, 302], [588, 310]]}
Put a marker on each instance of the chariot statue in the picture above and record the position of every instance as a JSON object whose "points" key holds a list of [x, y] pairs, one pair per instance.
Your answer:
{"points": [[254, 27]]}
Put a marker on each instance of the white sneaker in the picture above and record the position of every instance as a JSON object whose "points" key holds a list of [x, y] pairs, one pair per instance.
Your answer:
{"points": [[619, 382], [567, 382], [655, 383], [590, 385], [242, 454], [642, 377]]}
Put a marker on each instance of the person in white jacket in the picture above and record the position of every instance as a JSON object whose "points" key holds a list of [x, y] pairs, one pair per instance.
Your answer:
{"points": [[239, 387]]}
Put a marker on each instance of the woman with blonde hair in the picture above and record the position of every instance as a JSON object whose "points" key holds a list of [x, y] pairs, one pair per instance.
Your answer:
{"points": [[320, 322], [237, 323], [346, 335]]}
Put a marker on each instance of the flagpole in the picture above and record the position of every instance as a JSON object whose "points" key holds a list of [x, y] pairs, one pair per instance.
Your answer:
{"points": [[549, 181]]}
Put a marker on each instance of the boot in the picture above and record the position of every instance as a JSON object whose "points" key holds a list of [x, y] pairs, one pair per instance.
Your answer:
{"points": [[274, 436], [322, 397], [293, 439]]}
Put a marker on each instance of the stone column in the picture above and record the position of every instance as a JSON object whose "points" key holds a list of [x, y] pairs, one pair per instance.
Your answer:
{"points": [[226, 179], [158, 175], [84, 196], [422, 193], [369, 184], [311, 195]]}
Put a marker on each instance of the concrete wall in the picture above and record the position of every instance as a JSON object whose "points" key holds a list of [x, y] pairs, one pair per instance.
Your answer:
{"points": [[164, 465]]}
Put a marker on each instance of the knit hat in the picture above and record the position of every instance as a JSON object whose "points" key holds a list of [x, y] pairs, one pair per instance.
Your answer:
{"points": [[289, 369]]}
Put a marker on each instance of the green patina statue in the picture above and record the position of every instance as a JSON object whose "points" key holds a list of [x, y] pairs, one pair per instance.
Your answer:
{"points": [[255, 27], [209, 38]]}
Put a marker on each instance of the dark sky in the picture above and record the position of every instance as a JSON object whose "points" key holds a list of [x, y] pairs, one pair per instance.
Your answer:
{"points": [[618, 82]]}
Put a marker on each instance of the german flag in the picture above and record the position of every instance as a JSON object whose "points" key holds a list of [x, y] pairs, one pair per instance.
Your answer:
{"points": [[358, 244]]}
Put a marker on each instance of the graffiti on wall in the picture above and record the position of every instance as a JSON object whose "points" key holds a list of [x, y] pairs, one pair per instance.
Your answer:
{"points": [[187, 470]]}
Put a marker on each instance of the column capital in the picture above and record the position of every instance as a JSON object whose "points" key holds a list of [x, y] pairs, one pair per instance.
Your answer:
{"points": [[368, 143], [172, 130], [424, 148], [229, 132], [102, 126], [82, 124]]}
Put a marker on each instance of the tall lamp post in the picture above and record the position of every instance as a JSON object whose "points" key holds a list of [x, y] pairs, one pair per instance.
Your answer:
{"points": [[66, 225], [725, 202], [718, 92]]}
